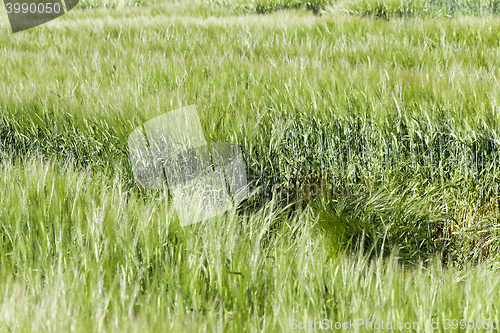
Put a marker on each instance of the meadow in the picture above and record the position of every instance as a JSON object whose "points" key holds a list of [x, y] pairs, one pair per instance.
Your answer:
{"points": [[370, 132]]}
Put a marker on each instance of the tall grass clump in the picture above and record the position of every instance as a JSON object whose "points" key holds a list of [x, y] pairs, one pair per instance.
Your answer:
{"points": [[408, 184]]}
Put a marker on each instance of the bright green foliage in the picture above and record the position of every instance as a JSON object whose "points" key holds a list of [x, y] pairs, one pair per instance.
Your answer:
{"points": [[373, 147]]}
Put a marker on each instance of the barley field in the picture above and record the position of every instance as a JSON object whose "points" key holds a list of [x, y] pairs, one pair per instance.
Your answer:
{"points": [[370, 131]]}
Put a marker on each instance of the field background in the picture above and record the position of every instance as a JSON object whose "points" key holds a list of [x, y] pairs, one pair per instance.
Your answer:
{"points": [[370, 131]]}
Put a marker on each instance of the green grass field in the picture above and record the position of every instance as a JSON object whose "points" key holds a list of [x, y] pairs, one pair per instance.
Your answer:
{"points": [[370, 131]]}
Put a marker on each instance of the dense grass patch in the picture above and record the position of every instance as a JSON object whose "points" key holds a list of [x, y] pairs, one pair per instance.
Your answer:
{"points": [[372, 147], [81, 253]]}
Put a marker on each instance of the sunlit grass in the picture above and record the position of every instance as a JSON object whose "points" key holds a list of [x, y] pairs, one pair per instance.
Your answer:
{"points": [[372, 147]]}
